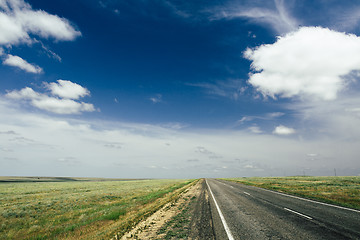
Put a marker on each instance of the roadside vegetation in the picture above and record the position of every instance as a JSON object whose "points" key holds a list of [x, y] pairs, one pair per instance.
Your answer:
{"points": [[80, 209], [343, 191], [179, 226]]}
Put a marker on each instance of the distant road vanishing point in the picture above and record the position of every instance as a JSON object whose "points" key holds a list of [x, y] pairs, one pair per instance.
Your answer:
{"points": [[246, 212]]}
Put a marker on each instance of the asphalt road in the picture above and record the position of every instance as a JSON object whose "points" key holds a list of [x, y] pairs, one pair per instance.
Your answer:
{"points": [[254, 213]]}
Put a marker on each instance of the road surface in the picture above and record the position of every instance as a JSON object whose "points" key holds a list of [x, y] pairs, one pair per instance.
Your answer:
{"points": [[246, 212]]}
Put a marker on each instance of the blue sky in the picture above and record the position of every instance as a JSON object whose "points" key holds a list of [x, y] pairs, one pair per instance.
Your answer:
{"points": [[179, 90]]}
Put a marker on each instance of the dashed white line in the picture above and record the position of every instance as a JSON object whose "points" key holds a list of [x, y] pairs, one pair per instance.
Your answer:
{"points": [[300, 214], [226, 227], [308, 200], [247, 193]]}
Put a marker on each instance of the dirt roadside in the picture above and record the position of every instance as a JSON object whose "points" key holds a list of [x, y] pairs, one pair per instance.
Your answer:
{"points": [[189, 217]]}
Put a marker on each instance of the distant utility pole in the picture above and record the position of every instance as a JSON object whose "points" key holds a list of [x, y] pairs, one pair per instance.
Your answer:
{"points": [[335, 171]]}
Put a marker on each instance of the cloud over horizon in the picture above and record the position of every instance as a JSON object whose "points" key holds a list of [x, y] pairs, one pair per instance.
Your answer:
{"points": [[119, 149], [187, 89]]}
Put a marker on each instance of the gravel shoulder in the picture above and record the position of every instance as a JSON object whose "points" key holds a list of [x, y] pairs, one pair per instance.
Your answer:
{"points": [[188, 217]]}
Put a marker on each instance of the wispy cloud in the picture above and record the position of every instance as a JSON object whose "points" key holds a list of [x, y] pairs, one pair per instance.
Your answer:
{"points": [[275, 15], [348, 19], [266, 116], [232, 89], [156, 99], [255, 129], [50, 53], [176, 10]]}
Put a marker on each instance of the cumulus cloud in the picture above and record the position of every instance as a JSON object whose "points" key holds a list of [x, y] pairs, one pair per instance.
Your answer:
{"points": [[19, 24], [67, 89], [16, 61], [19, 21], [52, 103], [62, 106], [311, 62], [282, 130]]}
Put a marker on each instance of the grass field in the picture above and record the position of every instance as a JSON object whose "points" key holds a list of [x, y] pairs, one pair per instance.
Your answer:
{"points": [[343, 191], [77, 209]]}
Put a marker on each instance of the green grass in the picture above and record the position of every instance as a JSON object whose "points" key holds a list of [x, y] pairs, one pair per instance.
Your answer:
{"points": [[78, 209], [343, 191]]}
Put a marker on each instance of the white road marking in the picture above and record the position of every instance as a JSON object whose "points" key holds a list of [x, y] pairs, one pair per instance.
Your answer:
{"points": [[300, 214], [247, 193], [227, 230], [312, 201]]}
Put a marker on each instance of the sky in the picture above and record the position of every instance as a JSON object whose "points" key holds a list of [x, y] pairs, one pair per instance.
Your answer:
{"points": [[179, 89]]}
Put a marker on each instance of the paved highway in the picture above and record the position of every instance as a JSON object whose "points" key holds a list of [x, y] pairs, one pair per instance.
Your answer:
{"points": [[245, 212]]}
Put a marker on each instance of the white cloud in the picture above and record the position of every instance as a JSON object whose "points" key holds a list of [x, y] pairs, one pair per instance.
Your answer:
{"points": [[19, 24], [142, 145], [25, 93], [52, 103], [275, 115], [156, 99], [282, 130], [311, 62], [16, 61], [62, 106], [67, 89], [18, 21], [255, 129], [267, 116]]}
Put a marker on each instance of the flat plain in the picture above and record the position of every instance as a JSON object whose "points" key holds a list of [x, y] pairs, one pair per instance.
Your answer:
{"points": [[73, 208], [343, 191]]}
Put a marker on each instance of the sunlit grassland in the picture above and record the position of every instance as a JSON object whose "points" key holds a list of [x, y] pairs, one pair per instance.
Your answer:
{"points": [[344, 191], [80, 209]]}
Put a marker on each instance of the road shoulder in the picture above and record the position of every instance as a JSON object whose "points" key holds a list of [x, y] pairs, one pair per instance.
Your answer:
{"points": [[188, 217]]}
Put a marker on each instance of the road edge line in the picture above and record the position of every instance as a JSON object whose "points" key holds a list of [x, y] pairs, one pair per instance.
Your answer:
{"points": [[226, 227]]}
